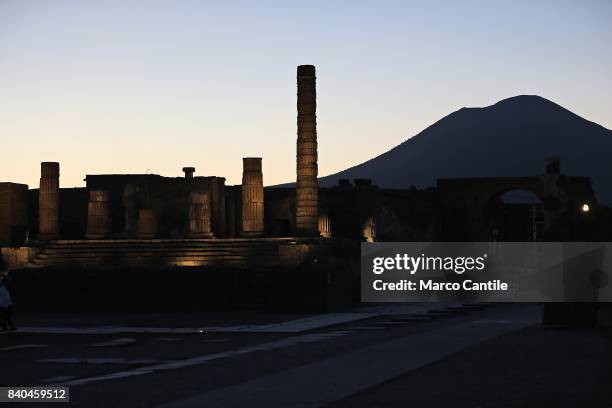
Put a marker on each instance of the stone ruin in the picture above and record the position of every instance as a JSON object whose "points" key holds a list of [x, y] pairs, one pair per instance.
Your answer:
{"points": [[148, 206]]}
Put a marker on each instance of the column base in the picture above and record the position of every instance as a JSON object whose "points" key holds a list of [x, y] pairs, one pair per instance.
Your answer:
{"points": [[146, 236], [96, 236], [201, 235], [251, 234]]}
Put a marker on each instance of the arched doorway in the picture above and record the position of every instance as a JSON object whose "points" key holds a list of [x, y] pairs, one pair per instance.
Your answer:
{"points": [[515, 215]]}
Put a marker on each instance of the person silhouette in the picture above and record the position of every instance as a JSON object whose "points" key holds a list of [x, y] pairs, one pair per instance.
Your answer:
{"points": [[6, 303]]}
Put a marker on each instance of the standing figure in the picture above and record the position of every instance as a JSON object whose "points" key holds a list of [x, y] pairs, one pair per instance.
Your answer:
{"points": [[6, 303]]}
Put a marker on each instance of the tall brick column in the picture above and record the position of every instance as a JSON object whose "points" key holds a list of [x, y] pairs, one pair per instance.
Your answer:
{"points": [[98, 215], [252, 197], [307, 188], [199, 215], [48, 201]]}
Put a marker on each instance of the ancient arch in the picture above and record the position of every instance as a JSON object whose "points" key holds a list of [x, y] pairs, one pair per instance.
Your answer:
{"points": [[463, 201]]}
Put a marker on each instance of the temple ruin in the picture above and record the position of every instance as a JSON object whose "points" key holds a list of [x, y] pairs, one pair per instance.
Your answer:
{"points": [[199, 220]]}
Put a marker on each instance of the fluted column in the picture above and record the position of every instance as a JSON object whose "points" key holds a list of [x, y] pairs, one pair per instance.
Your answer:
{"points": [[147, 223], [325, 226], [217, 206], [252, 197], [231, 212], [369, 229], [307, 188], [199, 215], [131, 210], [48, 200], [98, 215]]}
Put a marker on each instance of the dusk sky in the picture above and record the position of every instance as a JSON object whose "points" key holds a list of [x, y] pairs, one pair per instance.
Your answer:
{"points": [[137, 86]]}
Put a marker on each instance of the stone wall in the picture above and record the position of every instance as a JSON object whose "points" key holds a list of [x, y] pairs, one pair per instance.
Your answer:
{"points": [[72, 212], [19, 257], [349, 211], [13, 214], [167, 197]]}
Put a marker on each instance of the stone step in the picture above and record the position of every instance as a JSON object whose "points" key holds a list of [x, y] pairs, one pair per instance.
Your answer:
{"points": [[152, 254], [166, 249], [161, 252], [168, 258], [169, 242], [151, 260], [209, 264], [176, 245], [164, 252], [148, 254], [118, 247]]}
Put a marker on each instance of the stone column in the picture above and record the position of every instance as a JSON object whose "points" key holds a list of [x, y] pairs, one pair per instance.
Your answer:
{"points": [[369, 229], [231, 211], [147, 223], [48, 201], [325, 226], [98, 215], [307, 188], [217, 206], [131, 209], [252, 197], [199, 215]]}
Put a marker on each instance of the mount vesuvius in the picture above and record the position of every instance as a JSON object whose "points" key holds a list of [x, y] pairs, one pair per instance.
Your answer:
{"points": [[509, 138]]}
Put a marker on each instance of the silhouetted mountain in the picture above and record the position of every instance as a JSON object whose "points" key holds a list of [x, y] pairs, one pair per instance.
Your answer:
{"points": [[510, 138]]}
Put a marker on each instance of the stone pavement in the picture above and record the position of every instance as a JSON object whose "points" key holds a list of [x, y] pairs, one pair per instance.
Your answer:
{"points": [[426, 353], [533, 367]]}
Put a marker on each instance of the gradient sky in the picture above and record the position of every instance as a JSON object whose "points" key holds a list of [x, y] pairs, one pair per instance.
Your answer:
{"points": [[129, 86]]}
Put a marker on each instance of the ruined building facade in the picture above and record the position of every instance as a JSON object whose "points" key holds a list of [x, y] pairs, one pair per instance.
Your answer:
{"points": [[147, 206]]}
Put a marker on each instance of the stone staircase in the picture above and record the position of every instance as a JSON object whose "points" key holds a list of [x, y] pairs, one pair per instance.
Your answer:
{"points": [[161, 252]]}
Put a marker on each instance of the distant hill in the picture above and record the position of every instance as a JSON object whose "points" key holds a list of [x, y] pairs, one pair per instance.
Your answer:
{"points": [[510, 138]]}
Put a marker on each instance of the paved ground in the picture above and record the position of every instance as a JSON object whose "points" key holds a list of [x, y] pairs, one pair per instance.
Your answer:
{"points": [[534, 367], [371, 356]]}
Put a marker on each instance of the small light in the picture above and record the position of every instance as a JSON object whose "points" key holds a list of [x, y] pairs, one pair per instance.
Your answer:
{"points": [[585, 208]]}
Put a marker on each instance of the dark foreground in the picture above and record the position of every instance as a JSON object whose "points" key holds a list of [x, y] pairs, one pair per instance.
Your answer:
{"points": [[492, 356]]}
